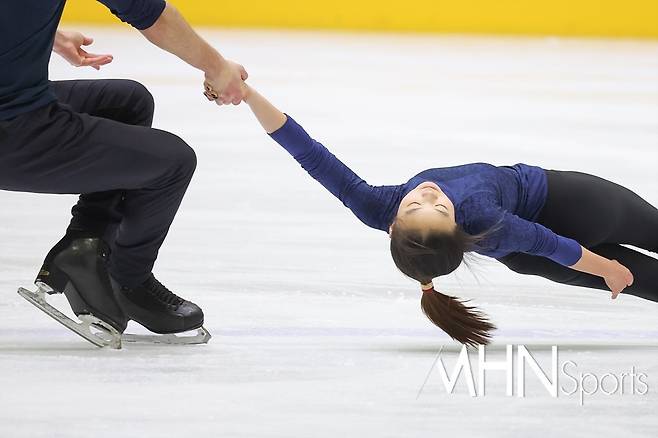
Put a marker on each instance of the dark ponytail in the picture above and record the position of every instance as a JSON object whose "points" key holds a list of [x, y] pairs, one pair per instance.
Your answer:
{"points": [[463, 323], [423, 256]]}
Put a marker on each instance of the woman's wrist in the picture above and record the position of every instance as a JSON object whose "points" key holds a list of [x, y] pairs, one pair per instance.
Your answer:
{"points": [[608, 267], [247, 91], [594, 264]]}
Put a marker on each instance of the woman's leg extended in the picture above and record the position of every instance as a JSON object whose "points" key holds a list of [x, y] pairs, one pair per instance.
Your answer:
{"points": [[594, 211], [643, 267], [600, 215]]}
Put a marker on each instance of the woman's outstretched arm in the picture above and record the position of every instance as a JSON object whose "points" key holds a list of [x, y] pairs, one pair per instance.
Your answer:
{"points": [[269, 117], [616, 275], [514, 234], [374, 206]]}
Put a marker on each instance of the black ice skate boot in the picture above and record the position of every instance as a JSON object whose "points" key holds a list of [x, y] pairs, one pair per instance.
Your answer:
{"points": [[50, 277], [76, 267], [157, 308]]}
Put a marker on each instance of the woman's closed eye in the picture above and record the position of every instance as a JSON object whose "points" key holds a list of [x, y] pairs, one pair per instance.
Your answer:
{"points": [[435, 205]]}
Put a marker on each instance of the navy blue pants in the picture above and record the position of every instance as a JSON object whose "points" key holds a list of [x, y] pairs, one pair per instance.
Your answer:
{"points": [[96, 141], [601, 216]]}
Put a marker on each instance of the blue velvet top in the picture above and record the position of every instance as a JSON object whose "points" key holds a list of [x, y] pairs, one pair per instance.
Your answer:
{"points": [[505, 200], [27, 32]]}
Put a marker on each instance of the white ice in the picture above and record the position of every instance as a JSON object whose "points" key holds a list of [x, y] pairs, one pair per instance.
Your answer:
{"points": [[315, 332]]}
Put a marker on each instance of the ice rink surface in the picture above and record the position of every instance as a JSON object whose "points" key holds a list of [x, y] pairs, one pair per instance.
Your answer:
{"points": [[315, 332]]}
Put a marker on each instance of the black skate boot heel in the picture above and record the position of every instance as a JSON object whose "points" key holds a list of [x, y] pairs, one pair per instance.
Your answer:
{"points": [[161, 311], [79, 272], [51, 279], [88, 288]]}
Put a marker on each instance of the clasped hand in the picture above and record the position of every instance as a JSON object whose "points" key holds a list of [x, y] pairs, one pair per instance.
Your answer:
{"points": [[225, 86]]}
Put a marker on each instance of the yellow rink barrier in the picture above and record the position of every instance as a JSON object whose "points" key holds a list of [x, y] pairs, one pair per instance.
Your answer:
{"points": [[614, 18]]}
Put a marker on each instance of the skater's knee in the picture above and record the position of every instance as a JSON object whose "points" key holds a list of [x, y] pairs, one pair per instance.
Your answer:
{"points": [[141, 102], [188, 159], [145, 103], [180, 155]]}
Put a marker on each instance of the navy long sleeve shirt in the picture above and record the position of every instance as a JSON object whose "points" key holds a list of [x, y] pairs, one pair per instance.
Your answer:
{"points": [[27, 32], [504, 200]]}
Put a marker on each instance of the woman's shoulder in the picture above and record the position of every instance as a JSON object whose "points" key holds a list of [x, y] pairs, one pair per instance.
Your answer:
{"points": [[479, 210], [451, 172]]}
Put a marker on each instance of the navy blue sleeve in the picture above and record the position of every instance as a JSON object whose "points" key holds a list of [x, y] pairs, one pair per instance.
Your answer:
{"points": [[536, 239], [140, 14], [373, 205], [511, 233]]}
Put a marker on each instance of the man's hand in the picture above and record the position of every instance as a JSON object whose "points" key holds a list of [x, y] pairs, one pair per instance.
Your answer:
{"points": [[226, 85], [224, 78], [617, 278], [68, 45]]}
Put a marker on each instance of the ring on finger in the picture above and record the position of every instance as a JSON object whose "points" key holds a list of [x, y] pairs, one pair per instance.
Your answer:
{"points": [[211, 94]]}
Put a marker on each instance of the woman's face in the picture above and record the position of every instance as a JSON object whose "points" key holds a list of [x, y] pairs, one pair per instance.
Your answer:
{"points": [[426, 207]]}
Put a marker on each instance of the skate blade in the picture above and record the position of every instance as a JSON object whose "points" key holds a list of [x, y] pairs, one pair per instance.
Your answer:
{"points": [[90, 327], [202, 336]]}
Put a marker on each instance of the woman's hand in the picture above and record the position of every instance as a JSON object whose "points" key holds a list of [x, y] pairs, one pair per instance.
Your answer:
{"points": [[226, 83], [68, 45], [617, 277]]}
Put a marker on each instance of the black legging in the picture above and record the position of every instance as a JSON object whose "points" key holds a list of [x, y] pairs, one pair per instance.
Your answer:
{"points": [[600, 215]]}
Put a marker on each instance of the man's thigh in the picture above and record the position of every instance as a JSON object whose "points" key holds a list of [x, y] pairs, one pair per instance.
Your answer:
{"points": [[121, 100], [55, 150]]}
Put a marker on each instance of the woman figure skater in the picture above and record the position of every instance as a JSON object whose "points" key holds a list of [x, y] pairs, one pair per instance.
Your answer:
{"points": [[565, 226]]}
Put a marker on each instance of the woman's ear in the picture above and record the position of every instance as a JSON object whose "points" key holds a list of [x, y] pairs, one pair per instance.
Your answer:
{"points": [[390, 230]]}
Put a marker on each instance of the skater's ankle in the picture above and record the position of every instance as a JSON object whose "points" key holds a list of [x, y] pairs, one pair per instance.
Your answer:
{"points": [[124, 282], [75, 233], [66, 240]]}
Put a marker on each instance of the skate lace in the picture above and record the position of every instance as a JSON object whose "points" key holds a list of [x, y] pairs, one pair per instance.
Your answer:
{"points": [[161, 293]]}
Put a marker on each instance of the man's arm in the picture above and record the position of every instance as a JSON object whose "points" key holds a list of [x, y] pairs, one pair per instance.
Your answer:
{"points": [[172, 33]]}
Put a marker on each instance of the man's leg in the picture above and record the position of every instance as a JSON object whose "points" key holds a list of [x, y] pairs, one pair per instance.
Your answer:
{"points": [[55, 150], [121, 100]]}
